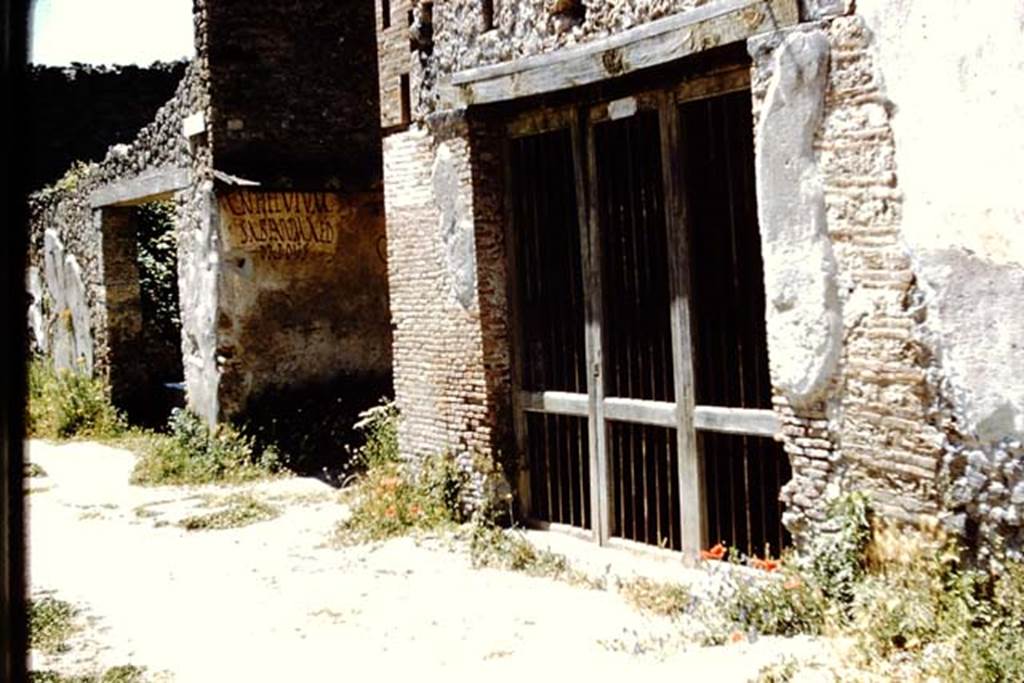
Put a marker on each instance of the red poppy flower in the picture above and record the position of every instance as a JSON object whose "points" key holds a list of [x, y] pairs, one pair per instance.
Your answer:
{"points": [[715, 553]]}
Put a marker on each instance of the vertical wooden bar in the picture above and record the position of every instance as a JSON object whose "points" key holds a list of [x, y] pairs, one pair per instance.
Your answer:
{"points": [[586, 191], [691, 478], [512, 296]]}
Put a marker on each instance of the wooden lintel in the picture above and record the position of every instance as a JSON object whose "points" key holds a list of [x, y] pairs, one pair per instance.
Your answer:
{"points": [[555, 402], [736, 420], [658, 42]]}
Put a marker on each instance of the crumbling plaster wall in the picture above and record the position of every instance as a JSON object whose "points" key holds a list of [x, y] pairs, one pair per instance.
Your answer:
{"points": [[950, 71], [294, 118], [303, 293], [269, 96], [921, 407]]}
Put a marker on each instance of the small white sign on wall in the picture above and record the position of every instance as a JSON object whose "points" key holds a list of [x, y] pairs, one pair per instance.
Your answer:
{"points": [[620, 109]]}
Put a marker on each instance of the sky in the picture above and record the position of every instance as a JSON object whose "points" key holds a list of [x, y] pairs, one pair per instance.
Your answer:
{"points": [[109, 31]]}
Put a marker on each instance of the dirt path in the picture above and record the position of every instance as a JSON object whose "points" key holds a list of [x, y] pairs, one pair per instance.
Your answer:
{"points": [[272, 602]]}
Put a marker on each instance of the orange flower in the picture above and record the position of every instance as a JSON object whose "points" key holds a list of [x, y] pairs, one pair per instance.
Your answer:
{"points": [[415, 510], [390, 512], [736, 636], [766, 565], [716, 553], [793, 583]]}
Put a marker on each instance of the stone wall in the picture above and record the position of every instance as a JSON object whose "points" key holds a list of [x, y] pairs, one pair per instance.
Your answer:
{"points": [[288, 291], [77, 112]]}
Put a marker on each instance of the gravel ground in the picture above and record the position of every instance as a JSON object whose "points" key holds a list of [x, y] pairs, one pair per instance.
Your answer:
{"points": [[274, 602]]}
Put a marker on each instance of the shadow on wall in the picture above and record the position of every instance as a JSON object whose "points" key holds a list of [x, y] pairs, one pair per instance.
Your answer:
{"points": [[312, 425]]}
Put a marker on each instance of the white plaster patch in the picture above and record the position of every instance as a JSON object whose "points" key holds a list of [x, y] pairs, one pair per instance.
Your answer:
{"points": [[804, 316], [455, 225], [71, 339]]}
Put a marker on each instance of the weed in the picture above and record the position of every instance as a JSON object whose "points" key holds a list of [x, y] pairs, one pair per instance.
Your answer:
{"points": [[65, 404], [394, 497], [508, 549], [34, 470], [126, 673], [781, 671], [665, 599], [194, 453], [238, 510], [50, 623]]}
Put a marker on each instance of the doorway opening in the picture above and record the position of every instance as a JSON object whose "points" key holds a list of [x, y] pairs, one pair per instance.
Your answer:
{"points": [[140, 249]]}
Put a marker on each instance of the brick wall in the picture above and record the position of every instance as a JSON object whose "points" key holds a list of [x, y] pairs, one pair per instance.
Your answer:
{"points": [[394, 60], [446, 273], [294, 92]]}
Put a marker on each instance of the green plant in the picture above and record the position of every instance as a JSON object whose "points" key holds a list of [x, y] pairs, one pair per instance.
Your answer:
{"points": [[508, 549], [395, 497], [65, 404], [240, 509], [34, 470], [50, 623], [194, 453], [920, 612], [783, 605], [380, 427], [836, 557]]}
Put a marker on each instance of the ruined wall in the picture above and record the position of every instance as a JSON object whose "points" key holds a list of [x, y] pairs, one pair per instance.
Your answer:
{"points": [[295, 92], [959, 142], [76, 113], [70, 296], [446, 272], [846, 361], [920, 404]]}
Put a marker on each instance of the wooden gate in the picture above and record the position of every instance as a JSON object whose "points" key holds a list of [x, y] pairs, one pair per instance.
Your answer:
{"points": [[643, 409]]}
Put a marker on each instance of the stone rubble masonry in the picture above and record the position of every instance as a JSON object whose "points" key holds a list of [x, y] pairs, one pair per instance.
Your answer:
{"points": [[270, 98]]}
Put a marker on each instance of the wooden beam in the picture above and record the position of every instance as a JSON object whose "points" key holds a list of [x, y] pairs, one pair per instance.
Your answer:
{"points": [[658, 413], [691, 466], [651, 44], [516, 339], [554, 402], [586, 193], [737, 421]]}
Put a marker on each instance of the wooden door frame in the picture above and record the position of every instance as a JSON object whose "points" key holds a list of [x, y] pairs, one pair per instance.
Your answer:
{"points": [[683, 415]]}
